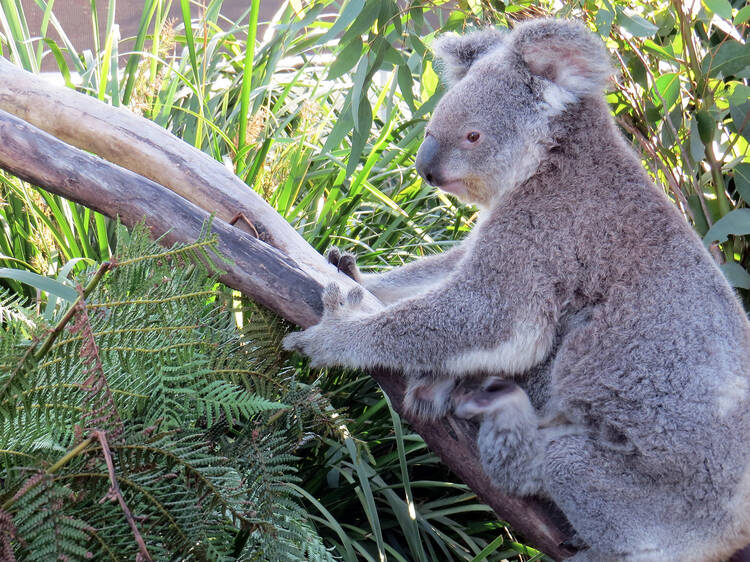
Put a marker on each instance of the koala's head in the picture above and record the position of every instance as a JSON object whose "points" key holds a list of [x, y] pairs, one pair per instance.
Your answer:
{"points": [[491, 129]]}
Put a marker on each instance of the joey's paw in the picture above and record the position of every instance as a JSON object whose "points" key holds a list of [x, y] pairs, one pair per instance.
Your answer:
{"points": [[494, 395], [345, 262], [429, 397]]}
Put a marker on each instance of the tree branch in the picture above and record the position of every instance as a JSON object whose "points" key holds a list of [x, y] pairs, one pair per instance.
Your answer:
{"points": [[278, 281]]}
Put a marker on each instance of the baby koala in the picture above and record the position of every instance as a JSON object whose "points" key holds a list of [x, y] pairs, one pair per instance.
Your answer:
{"points": [[619, 356]]}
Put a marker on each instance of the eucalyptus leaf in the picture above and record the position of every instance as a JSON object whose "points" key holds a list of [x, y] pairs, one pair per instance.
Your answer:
{"points": [[736, 275], [635, 25], [364, 21], [346, 58], [667, 88], [405, 84], [719, 7], [740, 122], [735, 222], [603, 21], [743, 15], [358, 87], [347, 16], [727, 59], [742, 181]]}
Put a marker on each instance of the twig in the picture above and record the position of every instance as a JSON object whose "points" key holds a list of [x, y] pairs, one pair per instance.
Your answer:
{"points": [[115, 491]]}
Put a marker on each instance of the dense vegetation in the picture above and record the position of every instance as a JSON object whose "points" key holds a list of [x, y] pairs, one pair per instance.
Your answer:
{"points": [[148, 374]]}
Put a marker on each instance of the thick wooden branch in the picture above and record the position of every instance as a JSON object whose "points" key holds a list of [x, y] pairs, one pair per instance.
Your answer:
{"points": [[288, 282], [137, 144], [259, 271]]}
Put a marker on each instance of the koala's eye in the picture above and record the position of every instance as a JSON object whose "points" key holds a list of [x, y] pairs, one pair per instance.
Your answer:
{"points": [[473, 136]]}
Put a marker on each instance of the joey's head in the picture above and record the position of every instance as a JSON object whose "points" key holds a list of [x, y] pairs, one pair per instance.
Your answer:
{"points": [[491, 130]]}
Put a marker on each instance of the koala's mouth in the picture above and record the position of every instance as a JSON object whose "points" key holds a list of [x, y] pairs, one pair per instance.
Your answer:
{"points": [[456, 187]]}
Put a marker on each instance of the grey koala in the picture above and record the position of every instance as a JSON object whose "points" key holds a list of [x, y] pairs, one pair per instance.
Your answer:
{"points": [[620, 355]]}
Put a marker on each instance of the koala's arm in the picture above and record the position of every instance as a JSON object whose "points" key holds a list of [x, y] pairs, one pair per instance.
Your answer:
{"points": [[463, 325], [413, 278]]}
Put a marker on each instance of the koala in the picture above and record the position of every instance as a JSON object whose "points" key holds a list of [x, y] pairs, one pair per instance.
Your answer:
{"points": [[616, 356]]}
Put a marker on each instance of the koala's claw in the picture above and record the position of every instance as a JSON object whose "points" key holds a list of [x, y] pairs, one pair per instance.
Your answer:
{"points": [[345, 262]]}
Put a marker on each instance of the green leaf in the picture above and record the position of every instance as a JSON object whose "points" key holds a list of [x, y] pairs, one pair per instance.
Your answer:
{"points": [[742, 16], [742, 180], [405, 84], [668, 87], [40, 282], [365, 20], [727, 59], [736, 275], [635, 25], [739, 114], [363, 120], [719, 7], [700, 218], [346, 59], [603, 21], [658, 50], [358, 87], [735, 222], [346, 17]]}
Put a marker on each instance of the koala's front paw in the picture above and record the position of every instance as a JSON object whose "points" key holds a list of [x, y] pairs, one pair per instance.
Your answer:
{"points": [[329, 342], [345, 262], [495, 395], [429, 397]]}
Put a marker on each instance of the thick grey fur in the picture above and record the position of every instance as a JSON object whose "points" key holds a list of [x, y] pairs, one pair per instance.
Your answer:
{"points": [[584, 285]]}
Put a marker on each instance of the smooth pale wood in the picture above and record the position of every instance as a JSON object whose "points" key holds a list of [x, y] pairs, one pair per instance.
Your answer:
{"points": [[259, 271], [137, 144]]}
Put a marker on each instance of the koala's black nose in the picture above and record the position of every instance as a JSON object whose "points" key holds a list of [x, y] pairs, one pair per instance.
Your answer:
{"points": [[427, 161]]}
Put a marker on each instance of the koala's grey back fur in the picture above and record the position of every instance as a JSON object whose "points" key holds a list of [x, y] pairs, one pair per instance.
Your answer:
{"points": [[581, 272]]}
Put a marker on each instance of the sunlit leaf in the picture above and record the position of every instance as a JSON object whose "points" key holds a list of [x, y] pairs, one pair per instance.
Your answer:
{"points": [[727, 59], [743, 15], [667, 88], [635, 25], [719, 7], [346, 59]]}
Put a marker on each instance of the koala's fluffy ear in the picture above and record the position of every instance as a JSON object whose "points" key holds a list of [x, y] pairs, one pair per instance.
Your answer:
{"points": [[565, 53], [456, 53]]}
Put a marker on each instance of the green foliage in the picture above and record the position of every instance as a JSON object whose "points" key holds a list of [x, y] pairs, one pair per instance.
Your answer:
{"points": [[146, 382], [683, 99], [323, 117]]}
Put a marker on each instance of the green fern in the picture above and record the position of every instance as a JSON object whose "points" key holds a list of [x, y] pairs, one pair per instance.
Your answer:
{"points": [[143, 412]]}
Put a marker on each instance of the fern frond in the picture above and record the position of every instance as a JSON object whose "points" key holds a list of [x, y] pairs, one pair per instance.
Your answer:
{"points": [[199, 419]]}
